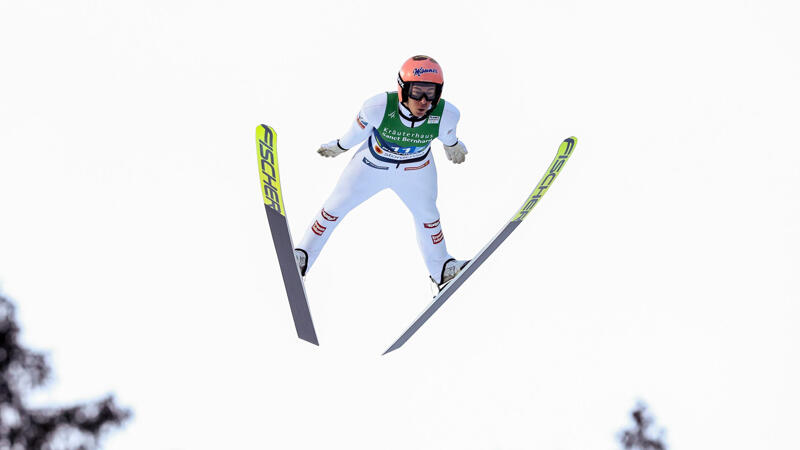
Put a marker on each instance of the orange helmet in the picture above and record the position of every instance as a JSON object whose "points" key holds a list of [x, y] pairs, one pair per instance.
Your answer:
{"points": [[426, 73]]}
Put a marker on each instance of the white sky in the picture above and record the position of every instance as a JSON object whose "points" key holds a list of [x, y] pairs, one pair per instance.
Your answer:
{"points": [[662, 265]]}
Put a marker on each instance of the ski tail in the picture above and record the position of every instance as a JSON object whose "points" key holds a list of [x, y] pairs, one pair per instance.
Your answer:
{"points": [[563, 154], [266, 140]]}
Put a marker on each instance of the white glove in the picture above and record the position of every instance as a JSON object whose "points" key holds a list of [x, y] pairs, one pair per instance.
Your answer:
{"points": [[456, 153], [331, 149]]}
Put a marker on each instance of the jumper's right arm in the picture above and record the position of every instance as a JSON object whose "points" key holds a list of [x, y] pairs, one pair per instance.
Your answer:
{"points": [[368, 118]]}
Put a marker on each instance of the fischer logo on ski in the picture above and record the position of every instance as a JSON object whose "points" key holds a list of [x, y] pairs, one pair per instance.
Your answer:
{"points": [[270, 178], [544, 184]]}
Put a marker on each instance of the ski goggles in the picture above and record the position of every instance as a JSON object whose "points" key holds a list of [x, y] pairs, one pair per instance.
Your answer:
{"points": [[419, 90]]}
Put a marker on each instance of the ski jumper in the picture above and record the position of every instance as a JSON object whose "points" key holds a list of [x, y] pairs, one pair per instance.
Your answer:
{"points": [[395, 154]]}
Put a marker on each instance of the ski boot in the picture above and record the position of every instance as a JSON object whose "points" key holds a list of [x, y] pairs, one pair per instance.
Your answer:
{"points": [[450, 269], [301, 258]]}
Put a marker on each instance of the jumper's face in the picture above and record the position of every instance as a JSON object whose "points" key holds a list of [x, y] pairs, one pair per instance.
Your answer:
{"points": [[418, 107], [421, 96]]}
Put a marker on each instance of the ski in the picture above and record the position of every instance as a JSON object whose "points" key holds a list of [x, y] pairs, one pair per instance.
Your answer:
{"points": [[266, 141], [564, 152]]}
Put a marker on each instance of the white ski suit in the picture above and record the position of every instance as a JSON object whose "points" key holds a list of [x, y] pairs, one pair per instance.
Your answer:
{"points": [[388, 158]]}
